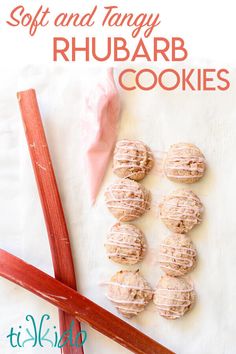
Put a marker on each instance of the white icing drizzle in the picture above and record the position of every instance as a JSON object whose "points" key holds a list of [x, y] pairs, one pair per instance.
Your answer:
{"points": [[190, 197], [131, 160], [130, 310], [125, 232], [129, 166], [130, 306], [166, 308], [186, 146], [178, 213], [129, 286], [134, 243], [123, 245], [133, 173], [120, 301], [127, 203], [124, 207], [127, 256], [182, 177], [129, 233], [176, 290], [184, 261], [187, 302], [123, 157], [131, 188], [187, 206], [171, 157], [127, 200], [176, 314], [184, 168], [180, 218], [186, 210], [131, 145], [184, 249], [174, 162]]}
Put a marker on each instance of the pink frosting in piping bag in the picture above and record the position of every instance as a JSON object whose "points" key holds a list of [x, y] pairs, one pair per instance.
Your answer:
{"points": [[103, 107]]}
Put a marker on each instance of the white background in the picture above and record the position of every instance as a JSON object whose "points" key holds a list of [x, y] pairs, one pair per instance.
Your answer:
{"points": [[207, 120]]}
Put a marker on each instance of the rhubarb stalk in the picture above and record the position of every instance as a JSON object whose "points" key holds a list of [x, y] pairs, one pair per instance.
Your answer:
{"points": [[51, 202], [78, 306]]}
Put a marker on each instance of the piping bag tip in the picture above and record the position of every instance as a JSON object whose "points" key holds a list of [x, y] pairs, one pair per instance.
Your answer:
{"points": [[93, 201]]}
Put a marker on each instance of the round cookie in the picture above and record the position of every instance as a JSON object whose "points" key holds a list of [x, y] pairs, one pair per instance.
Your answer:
{"points": [[173, 297], [184, 163], [129, 292], [177, 255], [127, 200], [125, 244], [132, 159], [181, 211]]}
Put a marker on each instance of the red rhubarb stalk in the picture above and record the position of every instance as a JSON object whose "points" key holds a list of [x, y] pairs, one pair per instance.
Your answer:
{"points": [[51, 202], [78, 306]]}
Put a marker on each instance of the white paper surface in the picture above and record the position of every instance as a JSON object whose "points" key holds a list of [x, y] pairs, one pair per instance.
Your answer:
{"points": [[159, 119]]}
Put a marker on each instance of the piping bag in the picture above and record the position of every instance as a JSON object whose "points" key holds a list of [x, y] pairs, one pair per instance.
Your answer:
{"points": [[100, 125]]}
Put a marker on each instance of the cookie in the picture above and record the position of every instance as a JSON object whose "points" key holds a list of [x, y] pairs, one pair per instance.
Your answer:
{"points": [[125, 244], [132, 159], [177, 255], [184, 163], [181, 211], [127, 200], [173, 297], [129, 292]]}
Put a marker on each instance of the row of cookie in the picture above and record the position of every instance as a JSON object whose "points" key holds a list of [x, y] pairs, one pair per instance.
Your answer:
{"points": [[180, 211], [127, 200], [183, 163], [130, 293], [125, 244]]}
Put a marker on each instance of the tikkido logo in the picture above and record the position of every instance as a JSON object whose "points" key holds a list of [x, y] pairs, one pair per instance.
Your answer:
{"points": [[42, 335]]}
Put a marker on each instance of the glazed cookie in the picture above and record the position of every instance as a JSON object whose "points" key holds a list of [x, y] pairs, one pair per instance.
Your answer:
{"points": [[177, 255], [181, 211], [173, 297], [184, 163], [132, 159], [127, 200], [129, 292], [125, 244]]}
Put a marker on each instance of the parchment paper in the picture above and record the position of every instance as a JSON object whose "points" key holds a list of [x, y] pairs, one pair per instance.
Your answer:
{"points": [[159, 119]]}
